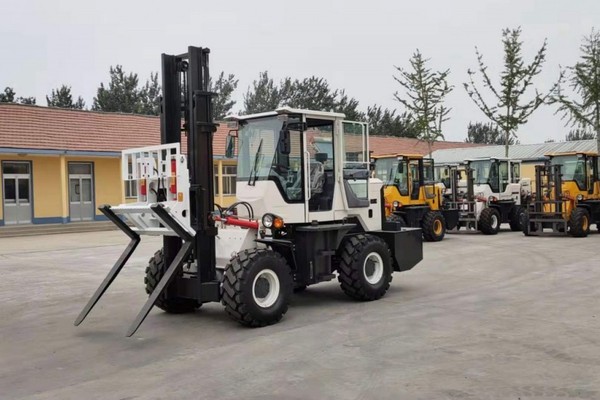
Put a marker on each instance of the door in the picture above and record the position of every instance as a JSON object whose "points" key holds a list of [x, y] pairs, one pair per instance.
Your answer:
{"points": [[16, 183], [320, 168], [355, 164], [81, 192]]}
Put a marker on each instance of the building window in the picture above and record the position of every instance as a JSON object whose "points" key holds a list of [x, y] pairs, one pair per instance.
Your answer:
{"points": [[229, 174], [130, 185]]}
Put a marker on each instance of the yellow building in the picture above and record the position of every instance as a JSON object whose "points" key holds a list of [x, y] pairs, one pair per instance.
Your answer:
{"points": [[58, 166]]}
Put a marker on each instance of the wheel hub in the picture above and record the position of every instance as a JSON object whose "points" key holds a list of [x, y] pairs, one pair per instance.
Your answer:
{"points": [[266, 288], [373, 268]]}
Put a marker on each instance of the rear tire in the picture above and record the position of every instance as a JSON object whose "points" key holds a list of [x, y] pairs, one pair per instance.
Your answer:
{"points": [[579, 222], [365, 268], [434, 226], [154, 272], [528, 227], [516, 218], [397, 218], [489, 221], [257, 287]]}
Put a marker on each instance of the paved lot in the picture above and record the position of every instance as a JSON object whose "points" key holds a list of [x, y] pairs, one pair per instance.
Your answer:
{"points": [[503, 317]]}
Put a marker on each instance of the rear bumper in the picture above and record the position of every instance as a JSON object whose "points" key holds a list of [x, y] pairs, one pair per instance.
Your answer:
{"points": [[406, 246]]}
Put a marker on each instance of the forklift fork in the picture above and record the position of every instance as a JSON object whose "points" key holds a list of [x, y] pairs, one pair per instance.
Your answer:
{"points": [[170, 223]]}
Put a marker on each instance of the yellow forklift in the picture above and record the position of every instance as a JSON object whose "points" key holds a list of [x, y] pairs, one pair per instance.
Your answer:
{"points": [[412, 196], [567, 195]]}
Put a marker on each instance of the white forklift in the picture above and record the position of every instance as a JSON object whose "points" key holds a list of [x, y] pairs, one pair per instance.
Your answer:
{"points": [[307, 211], [495, 194]]}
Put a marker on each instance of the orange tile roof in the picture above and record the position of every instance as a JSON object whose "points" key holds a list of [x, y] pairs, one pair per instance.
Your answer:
{"points": [[43, 128]]}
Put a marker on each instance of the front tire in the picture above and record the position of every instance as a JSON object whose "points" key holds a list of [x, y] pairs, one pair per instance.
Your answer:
{"points": [[154, 272], [257, 287], [365, 268], [489, 221], [434, 226], [579, 222]]}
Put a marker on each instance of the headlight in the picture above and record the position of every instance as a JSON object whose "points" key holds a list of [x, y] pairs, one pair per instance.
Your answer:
{"points": [[267, 220], [396, 204], [579, 197], [271, 221]]}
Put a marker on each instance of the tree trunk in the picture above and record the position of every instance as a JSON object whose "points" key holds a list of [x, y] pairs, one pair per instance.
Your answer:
{"points": [[506, 140], [598, 138], [430, 146]]}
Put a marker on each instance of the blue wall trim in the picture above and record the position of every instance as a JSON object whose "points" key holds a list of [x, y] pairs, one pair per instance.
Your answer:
{"points": [[10, 150], [100, 218], [1, 222], [50, 220]]}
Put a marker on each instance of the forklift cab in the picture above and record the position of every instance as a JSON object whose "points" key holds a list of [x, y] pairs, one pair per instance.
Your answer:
{"points": [[305, 165]]}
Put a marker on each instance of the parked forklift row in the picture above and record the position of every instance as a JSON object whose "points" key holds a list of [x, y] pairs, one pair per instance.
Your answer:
{"points": [[482, 193]]}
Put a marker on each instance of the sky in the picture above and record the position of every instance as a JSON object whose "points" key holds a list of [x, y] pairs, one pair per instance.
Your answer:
{"points": [[353, 44]]}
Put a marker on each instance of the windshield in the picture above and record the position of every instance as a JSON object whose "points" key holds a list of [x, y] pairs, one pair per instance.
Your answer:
{"points": [[573, 168], [260, 155], [481, 171], [428, 175], [385, 168]]}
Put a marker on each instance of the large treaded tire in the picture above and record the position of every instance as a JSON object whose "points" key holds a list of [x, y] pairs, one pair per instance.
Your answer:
{"points": [[489, 221], [397, 218], [352, 268], [516, 216], [154, 272], [434, 226], [528, 227], [579, 222], [239, 296]]}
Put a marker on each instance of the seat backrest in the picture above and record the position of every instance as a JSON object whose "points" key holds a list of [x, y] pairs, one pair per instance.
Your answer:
{"points": [[317, 177]]}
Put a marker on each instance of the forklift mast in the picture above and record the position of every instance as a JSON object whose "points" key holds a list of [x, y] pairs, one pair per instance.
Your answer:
{"points": [[185, 82]]}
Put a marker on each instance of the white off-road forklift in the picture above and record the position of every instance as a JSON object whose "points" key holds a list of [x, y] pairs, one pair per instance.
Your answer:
{"points": [[495, 194], [307, 208]]}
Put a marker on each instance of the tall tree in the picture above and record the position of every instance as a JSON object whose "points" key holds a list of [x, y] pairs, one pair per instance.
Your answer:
{"points": [[426, 91], [311, 93], [121, 95], [149, 96], [26, 100], [224, 87], [8, 96], [349, 106], [62, 98], [579, 134], [584, 80], [264, 95], [510, 110], [488, 133], [387, 122]]}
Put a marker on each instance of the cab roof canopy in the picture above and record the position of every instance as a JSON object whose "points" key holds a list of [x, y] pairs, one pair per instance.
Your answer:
{"points": [[572, 153], [395, 155], [492, 158], [287, 110]]}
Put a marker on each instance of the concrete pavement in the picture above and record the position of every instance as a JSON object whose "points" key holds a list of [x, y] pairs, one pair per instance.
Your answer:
{"points": [[504, 317]]}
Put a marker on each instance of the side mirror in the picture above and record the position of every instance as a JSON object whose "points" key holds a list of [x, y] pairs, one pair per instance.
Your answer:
{"points": [[230, 146], [284, 142]]}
